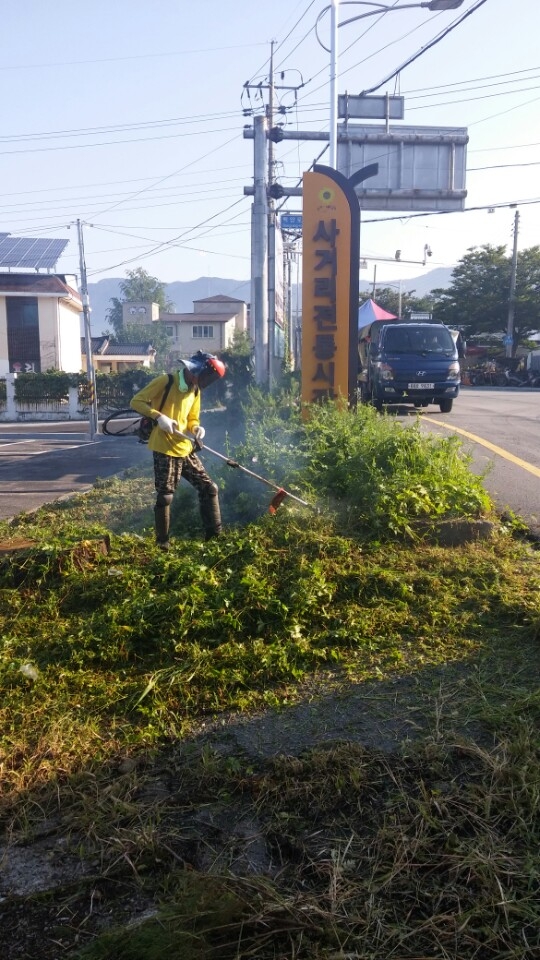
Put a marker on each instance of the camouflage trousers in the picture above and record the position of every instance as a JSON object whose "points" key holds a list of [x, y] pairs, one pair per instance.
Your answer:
{"points": [[168, 471]]}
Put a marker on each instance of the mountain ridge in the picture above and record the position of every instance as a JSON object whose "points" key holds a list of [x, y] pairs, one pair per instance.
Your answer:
{"points": [[183, 293]]}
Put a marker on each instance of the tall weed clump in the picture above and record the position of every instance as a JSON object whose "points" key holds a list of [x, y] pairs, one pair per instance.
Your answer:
{"points": [[382, 478]]}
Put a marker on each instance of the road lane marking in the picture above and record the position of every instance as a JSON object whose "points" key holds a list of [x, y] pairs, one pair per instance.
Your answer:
{"points": [[15, 443], [490, 446], [68, 444]]}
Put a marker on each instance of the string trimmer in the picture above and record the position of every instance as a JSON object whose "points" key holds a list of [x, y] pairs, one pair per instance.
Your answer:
{"points": [[281, 493]]}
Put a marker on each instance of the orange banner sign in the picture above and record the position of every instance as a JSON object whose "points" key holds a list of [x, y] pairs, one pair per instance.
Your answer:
{"points": [[331, 243]]}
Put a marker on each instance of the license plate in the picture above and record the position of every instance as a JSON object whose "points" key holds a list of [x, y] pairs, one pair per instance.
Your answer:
{"points": [[420, 386]]}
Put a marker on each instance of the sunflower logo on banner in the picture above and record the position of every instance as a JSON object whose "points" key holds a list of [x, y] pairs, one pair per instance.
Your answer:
{"points": [[327, 195]]}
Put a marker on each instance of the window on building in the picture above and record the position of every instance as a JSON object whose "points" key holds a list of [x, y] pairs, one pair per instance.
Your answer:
{"points": [[171, 331], [203, 332], [23, 334]]}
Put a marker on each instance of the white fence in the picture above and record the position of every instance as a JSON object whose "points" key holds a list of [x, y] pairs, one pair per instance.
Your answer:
{"points": [[13, 411]]}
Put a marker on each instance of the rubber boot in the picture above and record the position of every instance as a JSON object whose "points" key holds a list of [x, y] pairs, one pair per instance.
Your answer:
{"points": [[162, 515], [210, 516]]}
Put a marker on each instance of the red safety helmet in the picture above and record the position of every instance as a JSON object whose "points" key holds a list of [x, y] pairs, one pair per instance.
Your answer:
{"points": [[206, 367]]}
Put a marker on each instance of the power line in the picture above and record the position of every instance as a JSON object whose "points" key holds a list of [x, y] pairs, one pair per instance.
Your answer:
{"points": [[487, 86], [168, 177], [501, 113], [106, 183], [185, 246], [439, 213], [70, 210], [267, 62], [459, 83], [189, 190], [169, 243], [282, 42], [485, 96], [504, 166], [115, 128], [444, 33], [139, 56], [510, 146], [115, 143]]}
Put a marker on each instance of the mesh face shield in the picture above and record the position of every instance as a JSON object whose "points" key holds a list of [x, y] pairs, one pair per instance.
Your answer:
{"points": [[213, 370], [206, 368]]}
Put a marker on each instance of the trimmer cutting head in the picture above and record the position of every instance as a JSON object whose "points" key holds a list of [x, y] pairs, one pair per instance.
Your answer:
{"points": [[277, 500]]}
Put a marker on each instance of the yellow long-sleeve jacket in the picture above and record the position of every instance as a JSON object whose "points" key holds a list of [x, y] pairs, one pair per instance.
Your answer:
{"points": [[182, 406]]}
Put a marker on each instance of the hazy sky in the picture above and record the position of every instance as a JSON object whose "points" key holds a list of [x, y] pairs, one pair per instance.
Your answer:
{"points": [[129, 115]]}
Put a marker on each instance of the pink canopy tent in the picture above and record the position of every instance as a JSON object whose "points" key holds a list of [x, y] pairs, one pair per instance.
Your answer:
{"points": [[370, 311]]}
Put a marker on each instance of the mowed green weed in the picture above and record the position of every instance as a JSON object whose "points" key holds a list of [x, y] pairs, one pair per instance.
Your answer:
{"points": [[108, 653], [107, 657]]}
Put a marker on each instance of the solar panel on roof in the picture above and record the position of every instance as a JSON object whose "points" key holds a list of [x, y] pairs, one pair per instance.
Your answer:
{"points": [[32, 253]]}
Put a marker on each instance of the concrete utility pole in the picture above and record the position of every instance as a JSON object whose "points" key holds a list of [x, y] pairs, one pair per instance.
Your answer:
{"points": [[259, 242], [333, 83], [512, 297], [263, 229], [271, 230], [90, 372], [288, 255]]}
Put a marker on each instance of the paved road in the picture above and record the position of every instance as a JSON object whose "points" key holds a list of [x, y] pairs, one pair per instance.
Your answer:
{"points": [[42, 462], [500, 428]]}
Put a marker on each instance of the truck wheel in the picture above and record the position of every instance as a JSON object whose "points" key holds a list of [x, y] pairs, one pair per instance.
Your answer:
{"points": [[378, 404], [365, 393], [445, 406]]}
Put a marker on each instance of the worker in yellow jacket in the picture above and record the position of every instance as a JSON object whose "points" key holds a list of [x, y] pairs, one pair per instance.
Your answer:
{"points": [[175, 407]]}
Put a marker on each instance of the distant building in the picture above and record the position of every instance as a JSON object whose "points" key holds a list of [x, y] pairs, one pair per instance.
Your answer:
{"points": [[139, 313], [115, 358], [210, 328]]}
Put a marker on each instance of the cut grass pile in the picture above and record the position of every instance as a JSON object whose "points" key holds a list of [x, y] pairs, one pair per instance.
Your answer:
{"points": [[426, 855], [127, 676], [138, 646]]}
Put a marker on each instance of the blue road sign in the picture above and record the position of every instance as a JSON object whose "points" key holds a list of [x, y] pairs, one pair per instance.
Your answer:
{"points": [[291, 221]]}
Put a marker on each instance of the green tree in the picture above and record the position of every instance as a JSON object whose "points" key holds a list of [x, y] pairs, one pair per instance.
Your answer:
{"points": [[388, 299], [139, 285], [477, 300], [233, 390]]}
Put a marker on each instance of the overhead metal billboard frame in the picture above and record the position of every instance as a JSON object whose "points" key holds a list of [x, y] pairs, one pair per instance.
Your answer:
{"points": [[420, 168], [370, 108]]}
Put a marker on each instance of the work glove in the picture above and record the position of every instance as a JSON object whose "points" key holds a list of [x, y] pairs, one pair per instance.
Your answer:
{"points": [[198, 433], [166, 424]]}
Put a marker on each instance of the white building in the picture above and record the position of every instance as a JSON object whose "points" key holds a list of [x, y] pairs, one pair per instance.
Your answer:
{"points": [[39, 323]]}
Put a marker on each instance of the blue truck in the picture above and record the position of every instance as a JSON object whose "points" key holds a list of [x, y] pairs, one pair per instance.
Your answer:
{"points": [[409, 363]]}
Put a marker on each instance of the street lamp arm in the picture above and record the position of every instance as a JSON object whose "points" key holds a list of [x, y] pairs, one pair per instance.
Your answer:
{"points": [[382, 8]]}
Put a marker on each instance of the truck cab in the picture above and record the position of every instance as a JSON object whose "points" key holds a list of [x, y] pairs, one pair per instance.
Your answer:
{"points": [[402, 363]]}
